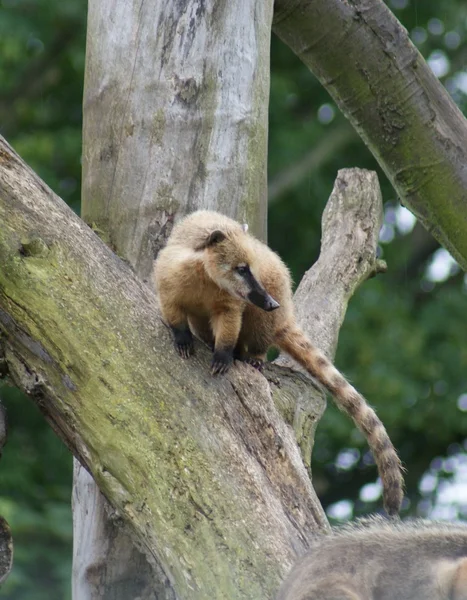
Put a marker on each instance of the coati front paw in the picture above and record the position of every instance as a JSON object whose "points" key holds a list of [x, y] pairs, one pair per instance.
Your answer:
{"points": [[183, 339], [221, 361]]}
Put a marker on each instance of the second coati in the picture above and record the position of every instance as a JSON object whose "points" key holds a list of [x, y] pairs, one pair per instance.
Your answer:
{"points": [[218, 282], [377, 559]]}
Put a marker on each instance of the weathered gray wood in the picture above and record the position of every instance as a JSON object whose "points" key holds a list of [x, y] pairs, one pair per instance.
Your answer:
{"points": [[365, 59], [350, 227], [106, 562]]}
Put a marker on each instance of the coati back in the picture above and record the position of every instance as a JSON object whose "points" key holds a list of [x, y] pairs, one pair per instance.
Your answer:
{"points": [[231, 290], [377, 559]]}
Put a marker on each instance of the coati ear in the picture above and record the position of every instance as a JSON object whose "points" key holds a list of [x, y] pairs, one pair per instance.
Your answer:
{"points": [[213, 238]]}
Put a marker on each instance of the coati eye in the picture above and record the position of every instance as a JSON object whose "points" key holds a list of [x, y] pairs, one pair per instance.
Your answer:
{"points": [[242, 269]]}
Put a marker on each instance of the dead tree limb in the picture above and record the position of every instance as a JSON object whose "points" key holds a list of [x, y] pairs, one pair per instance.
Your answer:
{"points": [[363, 56]]}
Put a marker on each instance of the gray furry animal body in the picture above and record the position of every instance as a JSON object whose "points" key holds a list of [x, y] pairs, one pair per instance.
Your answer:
{"points": [[377, 559]]}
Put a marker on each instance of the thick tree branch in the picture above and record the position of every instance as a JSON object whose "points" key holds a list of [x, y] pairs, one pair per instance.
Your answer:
{"points": [[364, 58], [203, 470]]}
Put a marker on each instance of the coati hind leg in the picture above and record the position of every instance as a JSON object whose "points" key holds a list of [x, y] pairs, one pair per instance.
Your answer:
{"points": [[226, 325], [256, 336], [253, 341]]}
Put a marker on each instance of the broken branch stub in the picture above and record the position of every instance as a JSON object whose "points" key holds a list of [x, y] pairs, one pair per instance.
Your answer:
{"points": [[350, 229]]}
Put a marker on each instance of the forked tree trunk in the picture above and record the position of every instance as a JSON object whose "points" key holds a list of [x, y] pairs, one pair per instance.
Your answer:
{"points": [[195, 138]]}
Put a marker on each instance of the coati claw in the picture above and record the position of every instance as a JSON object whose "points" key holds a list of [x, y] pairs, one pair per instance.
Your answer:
{"points": [[221, 362], [185, 350], [184, 345], [219, 369], [256, 363]]}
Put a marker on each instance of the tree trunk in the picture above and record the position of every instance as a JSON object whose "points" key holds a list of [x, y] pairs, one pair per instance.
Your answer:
{"points": [[365, 59], [187, 130], [211, 484]]}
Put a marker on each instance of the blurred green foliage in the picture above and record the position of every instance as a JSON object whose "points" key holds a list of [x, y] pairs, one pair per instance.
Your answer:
{"points": [[35, 484], [403, 341]]}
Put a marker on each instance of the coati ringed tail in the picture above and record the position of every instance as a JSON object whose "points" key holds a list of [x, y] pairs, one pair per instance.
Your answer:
{"points": [[218, 282]]}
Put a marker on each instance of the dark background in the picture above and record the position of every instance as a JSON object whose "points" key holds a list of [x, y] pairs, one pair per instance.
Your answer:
{"points": [[403, 341]]}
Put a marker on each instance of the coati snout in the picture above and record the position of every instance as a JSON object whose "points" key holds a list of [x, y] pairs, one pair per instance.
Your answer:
{"points": [[228, 260], [258, 295], [263, 300]]}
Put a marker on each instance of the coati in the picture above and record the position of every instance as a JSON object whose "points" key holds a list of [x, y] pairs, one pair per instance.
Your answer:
{"points": [[232, 291], [377, 559]]}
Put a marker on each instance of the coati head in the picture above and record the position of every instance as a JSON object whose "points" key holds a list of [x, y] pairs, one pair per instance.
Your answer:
{"points": [[229, 261]]}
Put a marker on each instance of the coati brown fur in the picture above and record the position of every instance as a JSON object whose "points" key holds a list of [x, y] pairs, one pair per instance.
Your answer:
{"points": [[377, 559], [231, 290]]}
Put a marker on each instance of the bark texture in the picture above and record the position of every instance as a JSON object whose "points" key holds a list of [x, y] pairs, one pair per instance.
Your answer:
{"points": [[205, 471], [365, 59]]}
